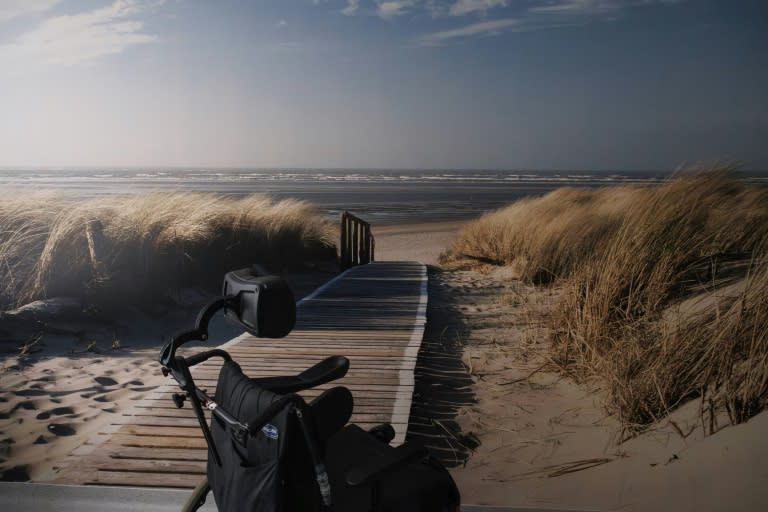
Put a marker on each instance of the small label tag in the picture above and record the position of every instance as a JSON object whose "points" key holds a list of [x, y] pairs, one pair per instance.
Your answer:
{"points": [[270, 431]]}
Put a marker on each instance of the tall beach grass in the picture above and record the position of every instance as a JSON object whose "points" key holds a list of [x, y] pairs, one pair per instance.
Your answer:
{"points": [[665, 288], [143, 246]]}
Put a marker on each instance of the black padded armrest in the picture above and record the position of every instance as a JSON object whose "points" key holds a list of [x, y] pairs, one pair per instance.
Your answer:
{"points": [[387, 461], [327, 370]]}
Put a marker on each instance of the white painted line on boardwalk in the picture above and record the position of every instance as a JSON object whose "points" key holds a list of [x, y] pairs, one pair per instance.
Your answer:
{"points": [[404, 395], [324, 287]]}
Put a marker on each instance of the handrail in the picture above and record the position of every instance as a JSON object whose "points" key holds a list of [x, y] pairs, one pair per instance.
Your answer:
{"points": [[357, 242]]}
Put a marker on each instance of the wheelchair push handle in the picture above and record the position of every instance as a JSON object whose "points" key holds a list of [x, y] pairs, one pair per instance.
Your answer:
{"points": [[201, 357]]}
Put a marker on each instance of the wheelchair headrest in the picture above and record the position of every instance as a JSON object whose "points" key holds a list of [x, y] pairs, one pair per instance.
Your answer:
{"points": [[265, 306]]}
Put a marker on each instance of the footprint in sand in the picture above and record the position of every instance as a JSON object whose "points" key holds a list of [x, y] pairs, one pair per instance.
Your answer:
{"points": [[30, 392], [26, 405], [106, 381], [59, 411], [98, 390], [61, 429], [15, 474], [144, 389], [5, 446]]}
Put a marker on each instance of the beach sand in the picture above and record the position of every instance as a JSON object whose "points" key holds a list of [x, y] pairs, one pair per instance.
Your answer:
{"points": [[544, 440], [414, 242]]}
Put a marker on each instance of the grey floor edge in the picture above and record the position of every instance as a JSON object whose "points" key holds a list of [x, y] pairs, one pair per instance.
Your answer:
{"points": [[23, 497]]}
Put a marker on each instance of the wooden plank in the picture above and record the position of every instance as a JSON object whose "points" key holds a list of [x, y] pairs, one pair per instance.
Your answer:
{"points": [[136, 453], [148, 465], [178, 481], [158, 431], [192, 443]]}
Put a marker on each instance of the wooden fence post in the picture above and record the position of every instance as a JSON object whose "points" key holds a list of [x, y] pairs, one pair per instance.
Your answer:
{"points": [[343, 244], [366, 244], [356, 242]]}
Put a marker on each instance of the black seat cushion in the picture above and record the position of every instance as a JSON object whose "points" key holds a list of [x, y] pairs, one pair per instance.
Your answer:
{"points": [[331, 411]]}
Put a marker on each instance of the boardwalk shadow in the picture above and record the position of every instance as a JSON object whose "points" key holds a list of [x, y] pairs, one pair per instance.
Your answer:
{"points": [[443, 384]]}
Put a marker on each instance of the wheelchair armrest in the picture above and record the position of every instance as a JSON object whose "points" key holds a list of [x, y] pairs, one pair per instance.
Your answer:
{"points": [[327, 370], [387, 461]]}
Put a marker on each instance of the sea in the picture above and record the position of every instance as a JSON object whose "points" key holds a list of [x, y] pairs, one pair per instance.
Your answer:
{"points": [[380, 196]]}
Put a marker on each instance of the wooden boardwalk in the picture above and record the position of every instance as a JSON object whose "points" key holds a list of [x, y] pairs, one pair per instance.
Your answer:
{"points": [[373, 314]]}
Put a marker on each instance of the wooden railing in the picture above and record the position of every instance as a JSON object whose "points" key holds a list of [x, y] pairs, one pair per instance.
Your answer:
{"points": [[357, 243]]}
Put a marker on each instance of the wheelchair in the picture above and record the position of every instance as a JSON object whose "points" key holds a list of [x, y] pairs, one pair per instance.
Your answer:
{"points": [[271, 451]]}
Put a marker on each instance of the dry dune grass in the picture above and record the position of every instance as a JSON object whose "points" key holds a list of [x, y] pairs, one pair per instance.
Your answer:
{"points": [[146, 244], [629, 258], [545, 237]]}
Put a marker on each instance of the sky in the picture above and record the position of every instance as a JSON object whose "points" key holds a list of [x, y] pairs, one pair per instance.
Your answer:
{"points": [[445, 84]]}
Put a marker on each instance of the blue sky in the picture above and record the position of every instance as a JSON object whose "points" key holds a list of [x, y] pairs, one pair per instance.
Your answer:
{"points": [[513, 84]]}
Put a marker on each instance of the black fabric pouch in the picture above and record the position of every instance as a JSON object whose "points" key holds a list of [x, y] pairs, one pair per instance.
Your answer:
{"points": [[250, 477]]}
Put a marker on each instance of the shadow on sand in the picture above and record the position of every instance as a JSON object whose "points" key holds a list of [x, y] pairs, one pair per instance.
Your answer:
{"points": [[443, 384]]}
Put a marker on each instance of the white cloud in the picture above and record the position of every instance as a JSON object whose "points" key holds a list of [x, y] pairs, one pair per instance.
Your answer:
{"points": [[463, 7], [393, 8], [543, 15], [481, 28], [78, 38], [435, 8], [10, 9], [351, 7], [590, 6]]}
